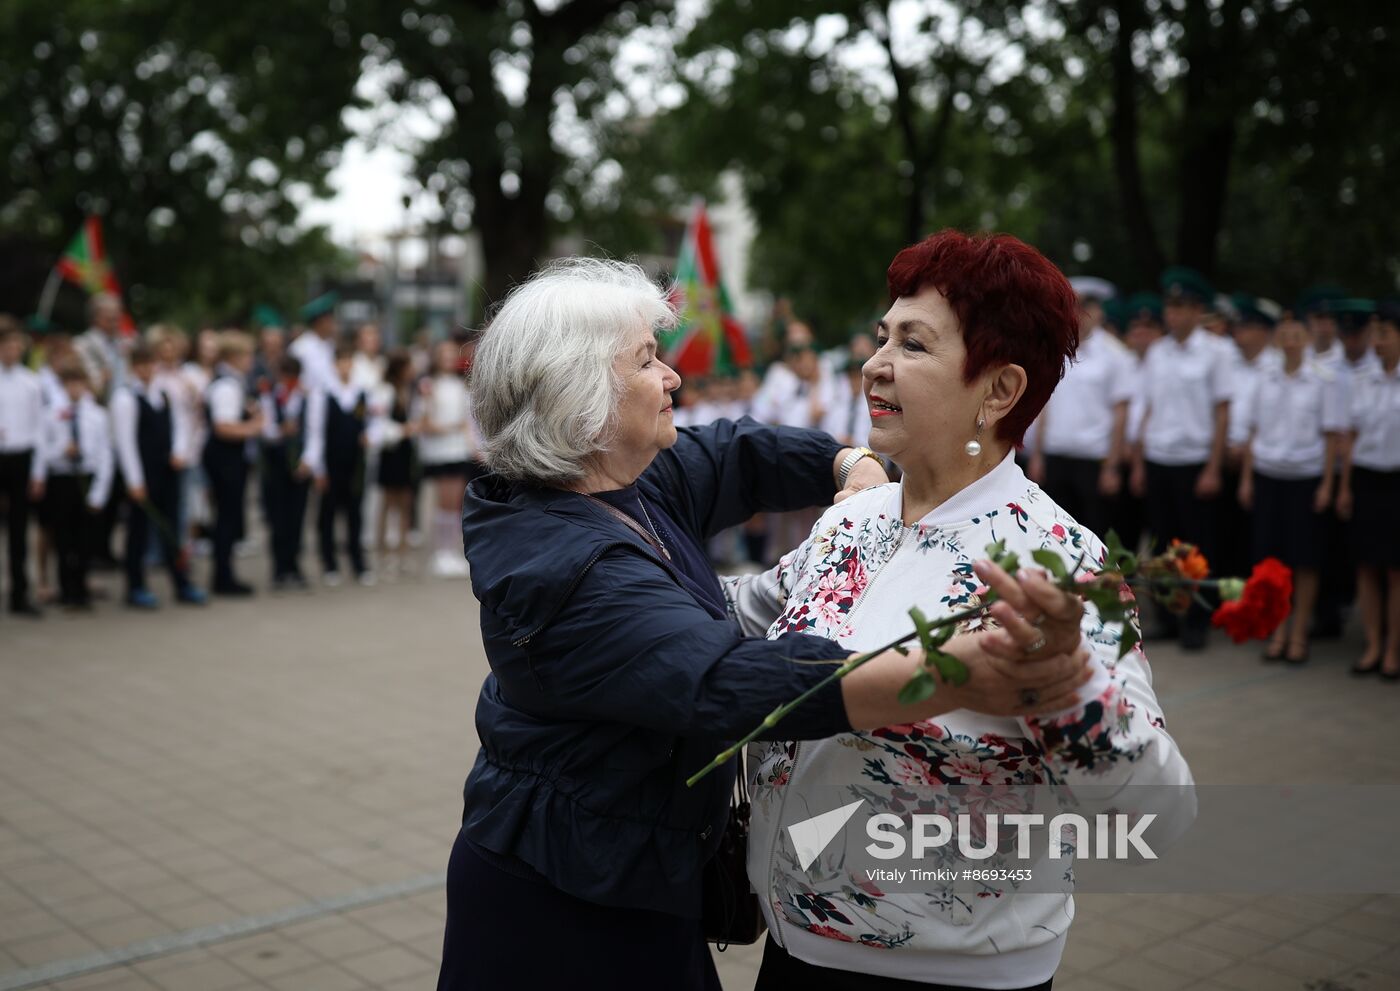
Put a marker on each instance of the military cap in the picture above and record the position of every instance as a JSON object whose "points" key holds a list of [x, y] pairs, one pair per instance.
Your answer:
{"points": [[1352, 314], [1092, 287], [320, 306], [1389, 310], [1316, 299], [1180, 282], [267, 316], [1142, 304], [1255, 309]]}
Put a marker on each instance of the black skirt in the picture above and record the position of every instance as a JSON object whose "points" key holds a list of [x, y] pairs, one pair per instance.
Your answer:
{"points": [[396, 466], [1375, 517], [508, 928], [1285, 525]]}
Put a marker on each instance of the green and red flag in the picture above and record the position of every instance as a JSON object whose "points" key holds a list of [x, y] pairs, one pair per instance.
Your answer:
{"points": [[85, 263], [707, 339]]}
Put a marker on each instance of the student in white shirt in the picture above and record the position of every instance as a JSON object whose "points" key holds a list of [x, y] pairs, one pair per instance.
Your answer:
{"points": [[234, 419], [1293, 417], [78, 452], [398, 413], [22, 465], [283, 473], [336, 441], [1315, 308], [1369, 495], [447, 448], [149, 441], [315, 347], [1078, 441], [848, 419], [1179, 462]]}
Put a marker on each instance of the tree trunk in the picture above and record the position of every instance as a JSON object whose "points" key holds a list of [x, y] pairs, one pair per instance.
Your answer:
{"points": [[1137, 218]]}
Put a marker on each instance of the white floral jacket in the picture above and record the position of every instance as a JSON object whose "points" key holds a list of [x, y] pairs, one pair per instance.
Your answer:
{"points": [[854, 580]]}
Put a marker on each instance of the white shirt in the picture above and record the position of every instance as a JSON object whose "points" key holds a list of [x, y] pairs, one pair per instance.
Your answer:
{"points": [[51, 386], [1077, 421], [1184, 383], [186, 413], [291, 409], [1367, 363], [788, 401], [226, 396], [1289, 417], [1133, 373], [448, 408], [848, 417], [367, 371], [126, 421], [347, 396], [22, 415], [1244, 380], [317, 357], [1375, 417], [1331, 358], [103, 357], [94, 455]]}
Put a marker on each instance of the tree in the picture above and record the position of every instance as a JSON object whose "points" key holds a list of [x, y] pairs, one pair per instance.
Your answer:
{"points": [[504, 70], [195, 138]]}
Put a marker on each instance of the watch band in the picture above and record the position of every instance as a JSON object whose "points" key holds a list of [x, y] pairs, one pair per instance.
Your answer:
{"points": [[844, 472]]}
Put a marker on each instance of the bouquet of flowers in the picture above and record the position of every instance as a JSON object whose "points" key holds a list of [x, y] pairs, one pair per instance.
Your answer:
{"points": [[1177, 577]]}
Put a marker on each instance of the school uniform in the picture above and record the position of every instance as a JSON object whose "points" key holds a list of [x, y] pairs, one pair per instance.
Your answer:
{"points": [[398, 462], [79, 465], [317, 357], [21, 465], [1375, 471], [848, 417], [1288, 417], [282, 448], [1185, 382], [335, 451], [1075, 429], [148, 432], [226, 467]]}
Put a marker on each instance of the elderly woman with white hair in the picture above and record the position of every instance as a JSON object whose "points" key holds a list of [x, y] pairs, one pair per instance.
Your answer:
{"points": [[616, 669]]}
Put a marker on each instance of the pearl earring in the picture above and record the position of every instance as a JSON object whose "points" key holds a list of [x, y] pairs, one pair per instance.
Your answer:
{"points": [[974, 446]]}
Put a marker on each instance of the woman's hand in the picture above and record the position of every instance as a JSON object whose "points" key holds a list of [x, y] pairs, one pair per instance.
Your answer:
{"points": [[1037, 618]]}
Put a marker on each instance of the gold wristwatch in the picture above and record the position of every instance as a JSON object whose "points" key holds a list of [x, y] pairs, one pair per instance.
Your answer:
{"points": [[844, 472]]}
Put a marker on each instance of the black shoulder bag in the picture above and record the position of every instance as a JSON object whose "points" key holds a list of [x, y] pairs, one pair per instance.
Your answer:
{"points": [[730, 911]]}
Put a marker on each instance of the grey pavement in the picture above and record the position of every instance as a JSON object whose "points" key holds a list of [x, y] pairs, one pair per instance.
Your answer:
{"points": [[262, 795]]}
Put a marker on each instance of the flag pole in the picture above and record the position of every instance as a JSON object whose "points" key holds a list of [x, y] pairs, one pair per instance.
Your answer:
{"points": [[50, 293]]}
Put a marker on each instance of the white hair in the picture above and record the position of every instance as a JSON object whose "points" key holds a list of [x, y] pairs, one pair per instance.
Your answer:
{"points": [[543, 382]]}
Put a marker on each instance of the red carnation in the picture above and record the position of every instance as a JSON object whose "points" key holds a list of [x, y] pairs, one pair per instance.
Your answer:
{"points": [[1261, 607]]}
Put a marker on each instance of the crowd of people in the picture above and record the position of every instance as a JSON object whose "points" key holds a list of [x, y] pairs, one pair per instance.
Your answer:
{"points": [[1229, 422], [159, 438]]}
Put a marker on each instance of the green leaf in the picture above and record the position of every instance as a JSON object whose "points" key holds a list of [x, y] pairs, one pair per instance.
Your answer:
{"points": [[1050, 561], [901, 650], [1129, 639], [949, 668], [918, 688], [923, 628]]}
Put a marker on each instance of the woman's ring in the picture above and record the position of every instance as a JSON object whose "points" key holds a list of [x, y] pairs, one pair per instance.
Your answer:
{"points": [[1039, 642], [1029, 697]]}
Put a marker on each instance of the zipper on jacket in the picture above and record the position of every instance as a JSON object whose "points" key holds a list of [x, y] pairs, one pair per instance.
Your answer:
{"points": [[797, 752]]}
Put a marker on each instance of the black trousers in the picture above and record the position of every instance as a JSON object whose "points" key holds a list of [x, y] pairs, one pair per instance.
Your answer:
{"points": [[1174, 511], [489, 944], [75, 529], [228, 486], [1074, 484], [1127, 511], [284, 507], [14, 491], [160, 513], [341, 497], [781, 971]]}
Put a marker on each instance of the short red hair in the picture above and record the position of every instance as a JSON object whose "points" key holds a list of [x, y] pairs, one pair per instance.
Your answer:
{"points": [[1014, 307]]}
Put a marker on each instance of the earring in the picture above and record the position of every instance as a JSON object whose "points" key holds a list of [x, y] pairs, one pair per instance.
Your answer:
{"points": [[974, 446]]}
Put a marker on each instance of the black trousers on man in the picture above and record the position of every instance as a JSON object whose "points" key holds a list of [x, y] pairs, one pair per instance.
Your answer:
{"points": [[228, 485], [161, 512], [1174, 511], [14, 491], [343, 493], [284, 507], [75, 530], [1074, 484]]}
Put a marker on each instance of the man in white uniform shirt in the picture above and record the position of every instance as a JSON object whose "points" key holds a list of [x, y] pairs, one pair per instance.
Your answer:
{"points": [[22, 467], [1179, 463], [1077, 443], [315, 348], [1315, 308]]}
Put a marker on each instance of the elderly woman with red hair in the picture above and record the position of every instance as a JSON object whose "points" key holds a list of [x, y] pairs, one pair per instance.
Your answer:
{"points": [[977, 334]]}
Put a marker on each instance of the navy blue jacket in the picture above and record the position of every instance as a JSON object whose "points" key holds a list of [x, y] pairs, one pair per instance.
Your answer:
{"points": [[610, 684]]}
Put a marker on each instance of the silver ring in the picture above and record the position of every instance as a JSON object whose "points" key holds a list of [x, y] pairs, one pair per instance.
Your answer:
{"points": [[1039, 642], [1029, 697], [1039, 621]]}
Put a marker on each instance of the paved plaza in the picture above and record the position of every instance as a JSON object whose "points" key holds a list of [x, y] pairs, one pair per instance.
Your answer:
{"points": [[262, 795]]}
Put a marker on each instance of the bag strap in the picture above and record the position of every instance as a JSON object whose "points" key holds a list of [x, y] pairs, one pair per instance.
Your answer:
{"points": [[627, 521]]}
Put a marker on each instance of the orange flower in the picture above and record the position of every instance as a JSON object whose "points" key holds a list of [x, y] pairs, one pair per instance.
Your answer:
{"points": [[1190, 562]]}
